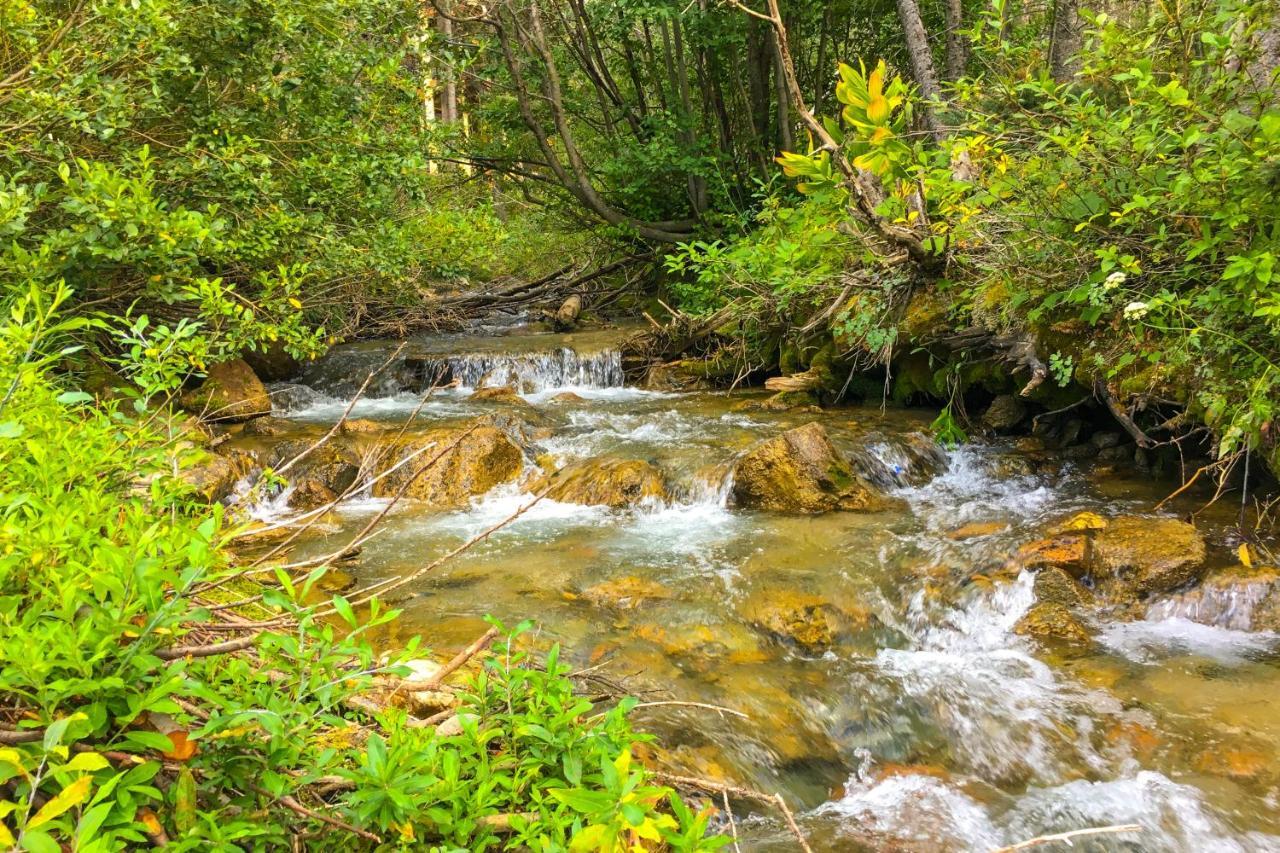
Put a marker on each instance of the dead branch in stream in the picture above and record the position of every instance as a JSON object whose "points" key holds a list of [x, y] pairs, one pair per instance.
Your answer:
{"points": [[707, 786], [333, 430], [1066, 837], [547, 293]]}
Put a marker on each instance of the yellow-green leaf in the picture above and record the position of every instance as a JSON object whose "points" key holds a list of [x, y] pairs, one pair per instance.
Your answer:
{"points": [[68, 798]]}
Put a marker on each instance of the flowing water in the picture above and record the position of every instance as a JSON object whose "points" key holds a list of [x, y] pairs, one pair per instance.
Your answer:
{"points": [[927, 723]]}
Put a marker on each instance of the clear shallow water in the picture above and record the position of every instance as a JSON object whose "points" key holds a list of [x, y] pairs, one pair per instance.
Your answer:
{"points": [[929, 724]]}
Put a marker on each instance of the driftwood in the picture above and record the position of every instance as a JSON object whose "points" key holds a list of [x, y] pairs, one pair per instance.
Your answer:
{"points": [[807, 381]]}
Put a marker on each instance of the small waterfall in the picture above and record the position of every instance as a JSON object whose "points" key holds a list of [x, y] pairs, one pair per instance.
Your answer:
{"points": [[529, 369], [526, 372], [1224, 602], [900, 461]]}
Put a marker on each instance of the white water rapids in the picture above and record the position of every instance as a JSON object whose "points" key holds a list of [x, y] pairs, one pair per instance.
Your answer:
{"points": [[936, 724]]}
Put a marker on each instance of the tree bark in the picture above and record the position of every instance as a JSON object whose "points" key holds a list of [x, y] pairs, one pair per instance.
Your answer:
{"points": [[957, 43], [921, 62], [1064, 40]]}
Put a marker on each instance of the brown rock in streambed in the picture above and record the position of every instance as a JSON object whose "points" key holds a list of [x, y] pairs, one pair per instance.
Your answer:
{"points": [[1054, 586], [801, 472], [504, 394], [230, 392], [1052, 622], [1148, 555], [809, 621], [615, 483], [472, 463], [311, 494]]}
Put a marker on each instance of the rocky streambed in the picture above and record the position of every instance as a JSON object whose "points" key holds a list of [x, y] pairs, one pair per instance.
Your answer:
{"points": [[933, 649]]}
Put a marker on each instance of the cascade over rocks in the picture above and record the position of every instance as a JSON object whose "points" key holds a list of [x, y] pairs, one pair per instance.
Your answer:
{"points": [[482, 459], [1237, 598], [615, 483], [231, 391], [801, 471]]}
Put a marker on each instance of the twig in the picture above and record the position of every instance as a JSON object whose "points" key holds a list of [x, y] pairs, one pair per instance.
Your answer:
{"points": [[723, 789], [179, 652], [298, 808], [345, 412], [452, 666], [1067, 836], [719, 709]]}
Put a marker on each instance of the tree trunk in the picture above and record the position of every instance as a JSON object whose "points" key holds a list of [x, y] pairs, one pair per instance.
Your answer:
{"points": [[786, 142], [1064, 40], [449, 94], [957, 44], [921, 61]]}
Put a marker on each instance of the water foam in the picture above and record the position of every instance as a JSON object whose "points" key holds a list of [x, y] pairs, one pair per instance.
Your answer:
{"points": [[1152, 640]]}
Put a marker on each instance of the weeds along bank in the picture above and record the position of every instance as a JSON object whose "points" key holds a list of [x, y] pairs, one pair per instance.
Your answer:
{"points": [[1110, 238], [137, 709]]}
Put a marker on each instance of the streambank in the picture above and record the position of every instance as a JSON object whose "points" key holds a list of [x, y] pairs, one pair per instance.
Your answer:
{"points": [[998, 646]]}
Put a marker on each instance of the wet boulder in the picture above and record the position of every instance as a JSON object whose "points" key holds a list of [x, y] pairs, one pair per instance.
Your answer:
{"points": [[1054, 586], [801, 471], [501, 394], [473, 462], [810, 622], [1239, 598], [614, 483], [1068, 551], [1050, 621], [273, 362], [231, 391], [1004, 414], [213, 478], [333, 464], [311, 494], [1148, 555]]}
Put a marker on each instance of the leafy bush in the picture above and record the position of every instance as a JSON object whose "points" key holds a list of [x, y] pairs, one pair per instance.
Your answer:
{"points": [[122, 723]]}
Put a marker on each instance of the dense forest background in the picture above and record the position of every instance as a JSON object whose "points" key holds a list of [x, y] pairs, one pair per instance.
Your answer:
{"points": [[913, 199]]}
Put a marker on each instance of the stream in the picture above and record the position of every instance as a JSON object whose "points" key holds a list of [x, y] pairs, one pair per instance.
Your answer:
{"points": [[906, 713]]}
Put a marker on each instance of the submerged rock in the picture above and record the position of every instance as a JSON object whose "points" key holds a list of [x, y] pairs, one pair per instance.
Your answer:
{"points": [[625, 593], [230, 392], [268, 426], [801, 471], [472, 463], [1050, 621], [1148, 555], [809, 621], [614, 483]]}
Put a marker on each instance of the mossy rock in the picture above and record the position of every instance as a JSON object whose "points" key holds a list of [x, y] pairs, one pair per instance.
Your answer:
{"points": [[926, 316], [615, 483], [1148, 555], [473, 463], [1051, 621], [801, 472], [231, 391]]}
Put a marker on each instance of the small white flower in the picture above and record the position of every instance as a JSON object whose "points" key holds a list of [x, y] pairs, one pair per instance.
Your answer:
{"points": [[1135, 310], [1114, 280]]}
